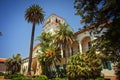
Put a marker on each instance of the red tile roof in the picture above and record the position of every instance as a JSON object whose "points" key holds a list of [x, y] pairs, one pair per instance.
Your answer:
{"points": [[86, 29], [90, 27], [3, 59]]}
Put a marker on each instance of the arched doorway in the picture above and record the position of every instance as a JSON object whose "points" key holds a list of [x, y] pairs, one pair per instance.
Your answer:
{"points": [[86, 43]]}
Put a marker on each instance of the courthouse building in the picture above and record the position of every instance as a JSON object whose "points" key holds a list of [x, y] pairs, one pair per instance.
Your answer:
{"points": [[81, 45]]}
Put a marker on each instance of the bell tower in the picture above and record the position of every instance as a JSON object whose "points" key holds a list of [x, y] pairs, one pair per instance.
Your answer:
{"points": [[52, 22]]}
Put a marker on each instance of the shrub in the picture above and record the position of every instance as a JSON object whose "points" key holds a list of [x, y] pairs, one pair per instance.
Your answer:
{"points": [[11, 76], [99, 79], [1, 74], [21, 78], [60, 79], [41, 77]]}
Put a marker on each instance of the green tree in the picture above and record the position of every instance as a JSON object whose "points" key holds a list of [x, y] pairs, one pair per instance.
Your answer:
{"points": [[83, 66], [35, 15], [64, 36], [77, 67], [53, 54], [97, 11], [49, 53], [102, 11], [51, 57], [14, 64], [94, 63], [45, 39]]}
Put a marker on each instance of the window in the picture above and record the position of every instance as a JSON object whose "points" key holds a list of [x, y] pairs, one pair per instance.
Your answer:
{"points": [[106, 65], [56, 20], [89, 45]]}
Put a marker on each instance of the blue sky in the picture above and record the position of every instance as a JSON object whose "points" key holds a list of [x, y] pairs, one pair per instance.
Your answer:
{"points": [[16, 31]]}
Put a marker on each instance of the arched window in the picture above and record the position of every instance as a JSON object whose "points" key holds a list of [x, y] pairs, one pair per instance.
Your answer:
{"points": [[86, 44]]}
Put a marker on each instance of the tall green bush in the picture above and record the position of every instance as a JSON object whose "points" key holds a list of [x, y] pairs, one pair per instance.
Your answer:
{"points": [[41, 77], [83, 66], [1, 74]]}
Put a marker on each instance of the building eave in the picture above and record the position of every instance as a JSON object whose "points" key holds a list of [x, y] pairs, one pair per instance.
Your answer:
{"points": [[90, 27], [3, 60]]}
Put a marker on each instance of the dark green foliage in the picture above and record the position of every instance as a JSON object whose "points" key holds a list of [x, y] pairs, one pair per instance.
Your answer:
{"points": [[1, 74], [99, 79], [49, 54], [102, 11], [34, 14], [11, 76], [22, 78], [108, 43], [19, 76], [14, 64], [64, 36], [43, 77], [97, 11], [60, 79]]}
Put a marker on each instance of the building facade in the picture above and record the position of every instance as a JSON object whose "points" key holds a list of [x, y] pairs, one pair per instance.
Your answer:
{"points": [[3, 67], [81, 45]]}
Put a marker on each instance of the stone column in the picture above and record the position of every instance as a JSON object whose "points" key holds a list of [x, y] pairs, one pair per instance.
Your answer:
{"points": [[80, 47]]}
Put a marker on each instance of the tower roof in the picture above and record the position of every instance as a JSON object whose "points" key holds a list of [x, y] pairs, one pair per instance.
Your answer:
{"points": [[55, 16]]}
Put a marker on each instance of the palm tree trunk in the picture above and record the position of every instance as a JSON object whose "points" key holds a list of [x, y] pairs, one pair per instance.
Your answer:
{"points": [[31, 49]]}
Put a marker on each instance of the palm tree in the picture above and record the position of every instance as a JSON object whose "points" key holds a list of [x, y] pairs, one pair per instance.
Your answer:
{"points": [[49, 54], [64, 36], [14, 64], [45, 39], [53, 55], [35, 15], [48, 59]]}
